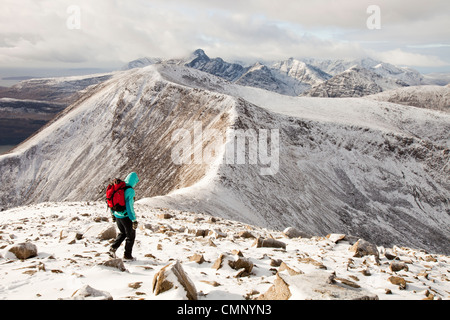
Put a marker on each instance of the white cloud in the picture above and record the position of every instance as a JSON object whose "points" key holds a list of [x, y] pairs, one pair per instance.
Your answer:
{"points": [[35, 33], [400, 57]]}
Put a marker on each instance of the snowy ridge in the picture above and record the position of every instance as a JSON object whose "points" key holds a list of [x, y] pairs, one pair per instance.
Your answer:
{"points": [[70, 256], [365, 168], [428, 97], [294, 77], [354, 82], [301, 71], [139, 99]]}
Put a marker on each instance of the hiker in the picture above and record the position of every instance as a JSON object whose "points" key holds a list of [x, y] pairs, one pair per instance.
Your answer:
{"points": [[126, 220]]}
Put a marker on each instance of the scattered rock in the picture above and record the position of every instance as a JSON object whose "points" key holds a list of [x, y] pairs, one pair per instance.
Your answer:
{"points": [[275, 262], [389, 256], [100, 219], [102, 231], [241, 263], [237, 253], [135, 285], [199, 232], [70, 235], [399, 281], [313, 286], [115, 263], [212, 283], [268, 243], [364, 248], [278, 291], [398, 266], [216, 233], [430, 258], [56, 271], [219, 261], [88, 293], [164, 280], [285, 267], [198, 258], [164, 216], [316, 263], [347, 282], [245, 234], [336, 237], [23, 251], [292, 232], [211, 243]]}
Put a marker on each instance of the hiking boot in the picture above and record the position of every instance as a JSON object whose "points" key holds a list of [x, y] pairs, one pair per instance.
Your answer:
{"points": [[128, 257], [112, 253]]}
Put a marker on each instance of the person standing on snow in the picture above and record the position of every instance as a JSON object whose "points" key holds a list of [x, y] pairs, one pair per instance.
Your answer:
{"points": [[126, 220]]}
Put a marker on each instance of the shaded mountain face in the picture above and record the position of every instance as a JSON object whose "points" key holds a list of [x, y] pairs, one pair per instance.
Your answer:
{"points": [[217, 66], [353, 166]]}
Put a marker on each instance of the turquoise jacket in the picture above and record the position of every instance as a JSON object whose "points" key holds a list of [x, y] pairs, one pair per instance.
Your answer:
{"points": [[131, 180]]}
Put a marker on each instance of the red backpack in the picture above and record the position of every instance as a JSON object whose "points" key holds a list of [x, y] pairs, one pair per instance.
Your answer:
{"points": [[115, 195]]}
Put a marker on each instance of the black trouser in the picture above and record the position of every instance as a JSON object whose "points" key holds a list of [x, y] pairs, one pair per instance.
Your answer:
{"points": [[126, 232]]}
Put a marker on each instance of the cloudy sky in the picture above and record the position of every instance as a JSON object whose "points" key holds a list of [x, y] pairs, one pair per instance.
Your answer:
{"points": [[108, 33]]}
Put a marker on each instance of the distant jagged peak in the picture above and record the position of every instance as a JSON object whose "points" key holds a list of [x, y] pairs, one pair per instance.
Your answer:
{"points": [[257, 66], [200, 53], [197, 57]]}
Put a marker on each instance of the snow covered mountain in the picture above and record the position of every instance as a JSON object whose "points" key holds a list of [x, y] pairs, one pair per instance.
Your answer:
{"points": [[301, 71], [428, 97], [335, 67], [257, 75], [294, 77], [216, 66], [372, 169], [354, 82]]}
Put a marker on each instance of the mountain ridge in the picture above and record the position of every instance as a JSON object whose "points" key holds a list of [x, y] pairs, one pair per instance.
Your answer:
{"points": [[295, 77], [354, 166]]}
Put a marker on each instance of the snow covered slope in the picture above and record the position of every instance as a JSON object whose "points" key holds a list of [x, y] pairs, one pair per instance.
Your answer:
{"points": [[428, 97], [367, 168], [123, 124], [70, 256], [301, 71], [294, 77], [354, 82]]}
